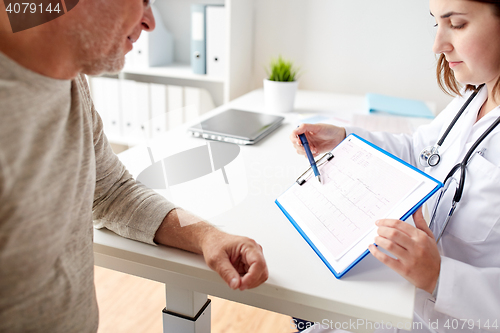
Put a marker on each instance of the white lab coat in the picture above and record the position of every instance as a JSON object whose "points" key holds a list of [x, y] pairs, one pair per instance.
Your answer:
{"points": [[469, 281]]}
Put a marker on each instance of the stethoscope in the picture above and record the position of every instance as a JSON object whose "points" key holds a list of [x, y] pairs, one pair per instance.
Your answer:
{"points": [[429, 157]]}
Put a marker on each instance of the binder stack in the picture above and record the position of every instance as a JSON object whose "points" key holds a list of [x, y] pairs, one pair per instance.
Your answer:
{"points": [[208, 32]]}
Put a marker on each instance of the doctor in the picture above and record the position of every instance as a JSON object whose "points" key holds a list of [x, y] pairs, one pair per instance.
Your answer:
{"points": [[458, 278]]}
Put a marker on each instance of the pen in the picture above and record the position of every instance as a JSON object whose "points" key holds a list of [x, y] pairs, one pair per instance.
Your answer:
{"points": [[303, 139]]}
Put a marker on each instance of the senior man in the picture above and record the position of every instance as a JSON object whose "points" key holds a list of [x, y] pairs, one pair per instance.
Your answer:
{"points": [[58, 174]]}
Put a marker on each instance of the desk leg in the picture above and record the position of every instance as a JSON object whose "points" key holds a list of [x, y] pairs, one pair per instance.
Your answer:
{"points": [[186, 312]]}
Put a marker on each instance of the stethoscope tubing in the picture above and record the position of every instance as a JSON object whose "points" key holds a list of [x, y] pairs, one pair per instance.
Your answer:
{"points": [[465, 161], [462, 166], [430, 157], [459, 113]]}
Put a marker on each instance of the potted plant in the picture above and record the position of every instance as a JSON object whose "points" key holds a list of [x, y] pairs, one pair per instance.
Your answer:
{"points": [[280, 86]]}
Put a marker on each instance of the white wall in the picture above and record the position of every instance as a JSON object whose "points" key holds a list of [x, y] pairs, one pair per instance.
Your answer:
{"points": [[351, 46]]}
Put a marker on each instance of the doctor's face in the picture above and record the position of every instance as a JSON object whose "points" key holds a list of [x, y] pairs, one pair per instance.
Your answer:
{"points": [[468, 34]]}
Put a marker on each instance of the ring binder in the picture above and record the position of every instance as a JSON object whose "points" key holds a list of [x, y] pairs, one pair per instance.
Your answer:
{"points": [[307, 174]]}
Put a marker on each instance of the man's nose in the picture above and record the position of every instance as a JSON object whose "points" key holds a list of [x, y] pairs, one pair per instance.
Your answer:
{"points": [[148, 20]]}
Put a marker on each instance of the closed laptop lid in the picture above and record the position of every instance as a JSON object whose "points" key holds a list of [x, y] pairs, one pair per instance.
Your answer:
{"points": [[238, 124]]}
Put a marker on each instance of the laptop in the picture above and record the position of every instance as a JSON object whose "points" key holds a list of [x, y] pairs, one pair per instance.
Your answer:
{"points": [[237, 126]]}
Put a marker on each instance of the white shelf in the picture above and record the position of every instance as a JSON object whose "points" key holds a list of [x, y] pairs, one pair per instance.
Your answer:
{"points": [[176, 75], [180, 75], [175, 71]]}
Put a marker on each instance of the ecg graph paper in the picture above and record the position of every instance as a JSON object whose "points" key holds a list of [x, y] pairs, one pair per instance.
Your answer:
{"points": [[358, 188]]}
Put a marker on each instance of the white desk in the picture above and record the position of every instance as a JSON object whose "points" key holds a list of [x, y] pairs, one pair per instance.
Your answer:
{"points": [[299, 283]]}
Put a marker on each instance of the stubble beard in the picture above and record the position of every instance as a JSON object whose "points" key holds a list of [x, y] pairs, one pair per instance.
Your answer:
{"points": [[100, 46]]}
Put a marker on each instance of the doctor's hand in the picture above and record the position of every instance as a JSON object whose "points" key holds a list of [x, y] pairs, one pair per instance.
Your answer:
{"points": [[418, 259], [321, 137], [238, 260]]}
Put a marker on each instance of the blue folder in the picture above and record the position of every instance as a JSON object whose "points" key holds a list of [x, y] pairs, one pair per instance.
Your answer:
{"points": [[435, 184], [198, 39], [398, 106]]}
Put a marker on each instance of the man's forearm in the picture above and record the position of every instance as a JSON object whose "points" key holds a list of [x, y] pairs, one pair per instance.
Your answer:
{"points": [[183, 230], [238, 260]]}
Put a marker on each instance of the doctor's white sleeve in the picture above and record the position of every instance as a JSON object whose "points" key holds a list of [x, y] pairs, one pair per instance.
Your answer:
{"points": [[404, 146], [408, 147]]}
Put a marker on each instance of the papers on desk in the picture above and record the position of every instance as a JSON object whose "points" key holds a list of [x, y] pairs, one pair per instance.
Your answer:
{"points": [[390, 124], [371, 122], [361, 184], [318, 118], [398, 106]]}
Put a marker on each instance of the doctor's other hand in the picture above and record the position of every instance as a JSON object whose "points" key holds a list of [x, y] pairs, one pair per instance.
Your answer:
{"points": [[418, 259], [321, 137], [238, 260]]}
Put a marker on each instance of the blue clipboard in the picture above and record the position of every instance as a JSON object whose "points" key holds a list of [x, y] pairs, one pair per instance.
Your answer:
{"points": [[431, 185]]}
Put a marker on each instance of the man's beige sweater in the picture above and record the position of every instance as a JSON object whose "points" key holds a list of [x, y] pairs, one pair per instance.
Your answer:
{"points": [[57, 175]]}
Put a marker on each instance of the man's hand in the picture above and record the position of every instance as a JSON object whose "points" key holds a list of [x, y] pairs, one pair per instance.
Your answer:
{"points": [[238, 260], [418, 259]]}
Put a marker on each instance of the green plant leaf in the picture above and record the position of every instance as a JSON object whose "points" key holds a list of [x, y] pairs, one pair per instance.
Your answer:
{"points": [[281, 70]]}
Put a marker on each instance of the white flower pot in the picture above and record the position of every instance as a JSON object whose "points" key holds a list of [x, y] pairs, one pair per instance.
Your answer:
{"points": [[279, 96]]}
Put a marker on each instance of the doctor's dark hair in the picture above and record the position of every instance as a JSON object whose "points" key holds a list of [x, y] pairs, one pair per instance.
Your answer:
{"points": [[446, 78]]}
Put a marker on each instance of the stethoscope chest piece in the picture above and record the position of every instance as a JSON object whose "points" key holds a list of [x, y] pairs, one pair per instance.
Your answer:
{"points": [[429, 157]]}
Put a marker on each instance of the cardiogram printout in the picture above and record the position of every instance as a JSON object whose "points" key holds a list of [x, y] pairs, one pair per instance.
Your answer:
{"points": [[358, 188], [360, 185]]}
